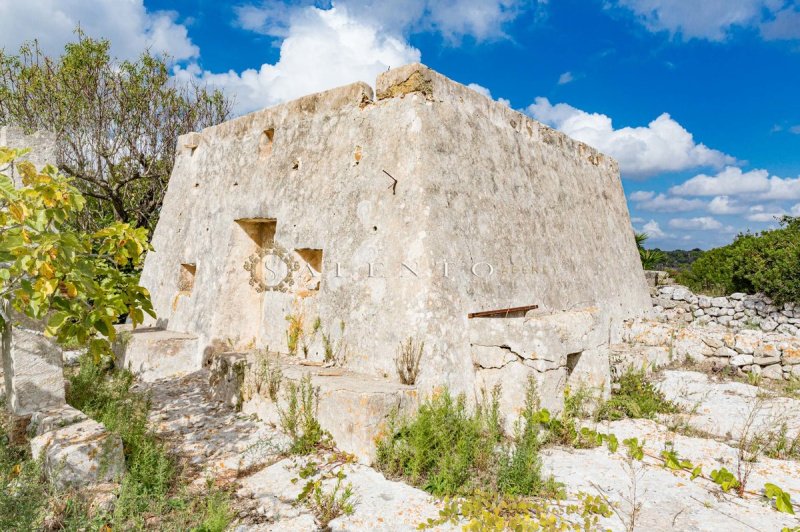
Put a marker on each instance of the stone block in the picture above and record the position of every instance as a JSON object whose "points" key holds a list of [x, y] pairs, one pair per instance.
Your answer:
{"points": [[725, 352], [33, 372], [773, 372], [80, 454], [353, 407], [154, 354], [742, 360]]}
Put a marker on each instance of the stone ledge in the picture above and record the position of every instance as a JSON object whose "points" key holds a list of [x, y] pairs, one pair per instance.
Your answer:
{"points": [[153, 353], [353, 407]]}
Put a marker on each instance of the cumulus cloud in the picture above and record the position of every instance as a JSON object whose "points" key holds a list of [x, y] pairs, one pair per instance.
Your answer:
{"points": [[733, 181], [784, 25], [129, 25], [652, 202], [714, 20], [653, 230], [323, 49], [661, 146], [702, 223], [761, 213], [453, 19], [724, 205], [486, 92]]}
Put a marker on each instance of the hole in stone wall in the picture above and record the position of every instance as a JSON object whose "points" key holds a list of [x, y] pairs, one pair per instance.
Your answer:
{"points": [[260, 230], [311, 271], [265, 142], [572, 362], [186, 277]]}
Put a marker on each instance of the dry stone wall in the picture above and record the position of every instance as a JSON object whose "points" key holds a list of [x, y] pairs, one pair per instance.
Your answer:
{"points": [[741, 332], [736, 311]]}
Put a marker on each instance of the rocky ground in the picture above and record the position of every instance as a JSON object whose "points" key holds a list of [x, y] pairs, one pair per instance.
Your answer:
{"points": [[227, 448]]}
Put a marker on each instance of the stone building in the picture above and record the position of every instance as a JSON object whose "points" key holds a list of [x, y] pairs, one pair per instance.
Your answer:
{"points": [[339, 224]]}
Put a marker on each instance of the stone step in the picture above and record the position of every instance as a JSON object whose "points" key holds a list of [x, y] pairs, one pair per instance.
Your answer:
{"points": [[353, 407], [154, 354]]}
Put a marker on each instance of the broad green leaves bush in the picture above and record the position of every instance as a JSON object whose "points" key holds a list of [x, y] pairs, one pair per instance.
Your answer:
{"points": [[80, 283], [767, 262]]}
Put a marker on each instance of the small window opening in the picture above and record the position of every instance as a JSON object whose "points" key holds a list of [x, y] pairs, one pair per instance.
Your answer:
{"points": [[265, 142], [572, 362], [186, 277]]}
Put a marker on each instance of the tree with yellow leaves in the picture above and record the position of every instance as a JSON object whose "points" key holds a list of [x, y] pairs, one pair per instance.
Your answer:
{"points": [[78, 283]]}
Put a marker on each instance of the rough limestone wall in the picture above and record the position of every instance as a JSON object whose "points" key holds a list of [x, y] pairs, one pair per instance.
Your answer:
{"points": [[476, 182], [42, 145]]}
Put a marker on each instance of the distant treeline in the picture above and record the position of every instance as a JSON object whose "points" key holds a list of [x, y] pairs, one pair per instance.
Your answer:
{"points": [[677, 259]]}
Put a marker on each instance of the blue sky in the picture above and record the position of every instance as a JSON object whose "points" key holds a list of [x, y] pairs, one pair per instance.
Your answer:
{"points": [[698, 101]]}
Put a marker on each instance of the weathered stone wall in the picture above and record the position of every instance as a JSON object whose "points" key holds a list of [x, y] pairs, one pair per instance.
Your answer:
{"points": [[41, 143], [393, 201], [735, 311]]}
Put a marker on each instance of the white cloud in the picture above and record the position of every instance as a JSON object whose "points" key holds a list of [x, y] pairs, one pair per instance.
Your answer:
{"points": [[453, 19], [486, 92], [795, 129], [795, 211], [653, 230], [724, 205], [732, 181], [128, 24], [565, 78], [661, 146], [714, 19], [702, 223], [784, 25], [323, 49], [650, 202], [769, 216]]}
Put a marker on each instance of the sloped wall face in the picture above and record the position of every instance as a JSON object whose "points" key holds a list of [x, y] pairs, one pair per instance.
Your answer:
{"points": [[284, 225], [335, 226], [524, 216]]}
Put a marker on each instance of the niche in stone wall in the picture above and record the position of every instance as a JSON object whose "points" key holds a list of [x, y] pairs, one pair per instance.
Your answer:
{"points": [[310, 273], [572, 362], [261, 231], [186, 278], [265, 142]]}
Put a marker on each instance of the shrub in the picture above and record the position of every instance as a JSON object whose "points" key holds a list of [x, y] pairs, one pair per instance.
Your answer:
{"points": [[448, 449], [767, 262], [635, 398], [299, 419], [407, 360]]}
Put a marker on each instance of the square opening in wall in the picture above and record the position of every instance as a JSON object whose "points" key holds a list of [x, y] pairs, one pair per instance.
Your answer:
{"points": [[260, 230], [186, 277]]}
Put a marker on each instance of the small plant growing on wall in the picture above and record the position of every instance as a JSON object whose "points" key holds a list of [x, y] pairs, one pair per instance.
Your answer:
{"points": [[407, 360]]}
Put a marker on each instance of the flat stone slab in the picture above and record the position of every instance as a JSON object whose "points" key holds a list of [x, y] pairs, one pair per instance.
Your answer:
{"points": [[154, 354], [671, 501], [380, 504], [353, 407], [722, 408], [80, 454]]}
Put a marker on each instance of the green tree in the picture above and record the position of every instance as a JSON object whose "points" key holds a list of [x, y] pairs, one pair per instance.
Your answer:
{"points": [[80, 283], [116, 122]]}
